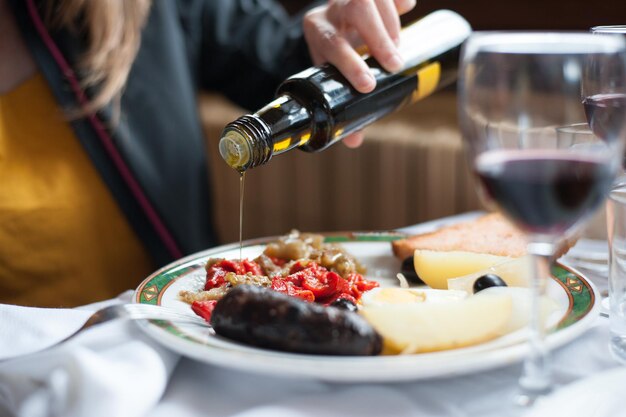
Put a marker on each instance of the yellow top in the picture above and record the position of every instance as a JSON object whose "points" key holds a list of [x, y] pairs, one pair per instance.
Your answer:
{"points": [[63, 240]]}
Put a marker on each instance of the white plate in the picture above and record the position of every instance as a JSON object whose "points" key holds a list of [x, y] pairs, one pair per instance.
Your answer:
{"points": [[575, 295]]}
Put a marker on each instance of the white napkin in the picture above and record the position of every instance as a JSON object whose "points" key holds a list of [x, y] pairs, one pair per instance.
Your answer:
{"points": [[601, 395], [109, 370]]}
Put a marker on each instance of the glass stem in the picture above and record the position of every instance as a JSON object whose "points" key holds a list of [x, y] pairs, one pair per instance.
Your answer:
{"points": [[536, 375]]}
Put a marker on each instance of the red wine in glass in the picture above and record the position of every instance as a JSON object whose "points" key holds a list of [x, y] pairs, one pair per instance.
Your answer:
{"points": [[544, 192], [606, 115]]}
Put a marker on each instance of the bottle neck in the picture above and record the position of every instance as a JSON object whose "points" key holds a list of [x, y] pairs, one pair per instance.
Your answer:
{"points": [[253, 139]]}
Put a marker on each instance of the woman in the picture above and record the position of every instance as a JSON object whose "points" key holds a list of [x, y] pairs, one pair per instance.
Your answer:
{"points": [[101, 152]]}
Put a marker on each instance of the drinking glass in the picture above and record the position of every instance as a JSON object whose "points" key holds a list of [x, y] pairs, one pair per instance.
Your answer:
{"points": [[591, 255], [604, 93], [605, 105], [515, 89], [616, 222]]}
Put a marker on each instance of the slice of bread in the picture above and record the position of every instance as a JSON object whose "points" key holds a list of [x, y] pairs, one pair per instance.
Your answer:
{"points": [[491, 234]]}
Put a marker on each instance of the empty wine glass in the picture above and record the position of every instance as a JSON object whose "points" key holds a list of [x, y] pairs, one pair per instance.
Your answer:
{"points": [[515, 89]]}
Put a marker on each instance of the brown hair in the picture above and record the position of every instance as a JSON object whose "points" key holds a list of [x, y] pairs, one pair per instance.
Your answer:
{"points": [[113, 32]]}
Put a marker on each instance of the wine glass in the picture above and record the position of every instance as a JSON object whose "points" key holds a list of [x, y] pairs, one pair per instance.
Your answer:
{"points": [[515, 89]]}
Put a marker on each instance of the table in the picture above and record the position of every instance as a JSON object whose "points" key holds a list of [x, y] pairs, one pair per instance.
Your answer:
{"points": [[202, 390], [196, 389]]}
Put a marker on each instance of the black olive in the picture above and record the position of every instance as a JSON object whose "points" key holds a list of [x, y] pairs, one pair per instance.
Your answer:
{"points": [[344, 304], [488, 280], [408, 270]]}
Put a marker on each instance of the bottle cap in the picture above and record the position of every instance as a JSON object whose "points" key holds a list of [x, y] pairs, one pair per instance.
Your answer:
{"points": [[235, 149], [246, 143]]}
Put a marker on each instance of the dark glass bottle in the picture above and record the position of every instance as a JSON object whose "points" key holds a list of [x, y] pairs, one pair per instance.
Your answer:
{"points": [[317, 107]]}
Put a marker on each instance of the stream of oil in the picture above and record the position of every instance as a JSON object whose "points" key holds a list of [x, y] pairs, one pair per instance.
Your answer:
{"points": [[242, 176]]}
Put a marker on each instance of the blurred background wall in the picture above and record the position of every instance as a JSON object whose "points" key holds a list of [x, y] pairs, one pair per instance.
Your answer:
{"points": [[411, 167], [524, 14]]}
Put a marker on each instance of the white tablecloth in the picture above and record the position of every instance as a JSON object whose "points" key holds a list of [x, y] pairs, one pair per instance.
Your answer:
{"points": [[196, 389], [203, 390]]}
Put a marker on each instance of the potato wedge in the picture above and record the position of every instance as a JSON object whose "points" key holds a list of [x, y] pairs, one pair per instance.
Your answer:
{"points": [[428, 327]]}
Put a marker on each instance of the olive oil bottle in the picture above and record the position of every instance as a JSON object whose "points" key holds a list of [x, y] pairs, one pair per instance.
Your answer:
{"points": [[317, 107]]}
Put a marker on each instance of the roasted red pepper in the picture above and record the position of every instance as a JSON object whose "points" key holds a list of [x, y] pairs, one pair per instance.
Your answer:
{"points": [[326, 285], [358, 285], [216, 272], [306, 280], [287, 287], [204, 308]]}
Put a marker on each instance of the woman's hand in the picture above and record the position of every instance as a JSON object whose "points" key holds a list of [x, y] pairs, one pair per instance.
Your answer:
{"points": [[333, 31]]}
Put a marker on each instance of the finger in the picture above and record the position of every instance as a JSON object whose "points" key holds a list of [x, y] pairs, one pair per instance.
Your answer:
{"points": [[404, 6], [365, 19], [353, 140], [333, 48], [390, 18], [309, 27]]}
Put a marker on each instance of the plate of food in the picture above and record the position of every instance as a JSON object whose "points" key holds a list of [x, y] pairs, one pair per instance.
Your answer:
{"points": [[366, 306]]}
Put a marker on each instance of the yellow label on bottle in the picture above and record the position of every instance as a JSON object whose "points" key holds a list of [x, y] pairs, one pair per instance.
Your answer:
{"points": [[427, 80], [304, 139], [283, 144]]}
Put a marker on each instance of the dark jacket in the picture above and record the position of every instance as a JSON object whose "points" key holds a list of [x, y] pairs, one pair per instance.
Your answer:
{"points": [[153, 160]]}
